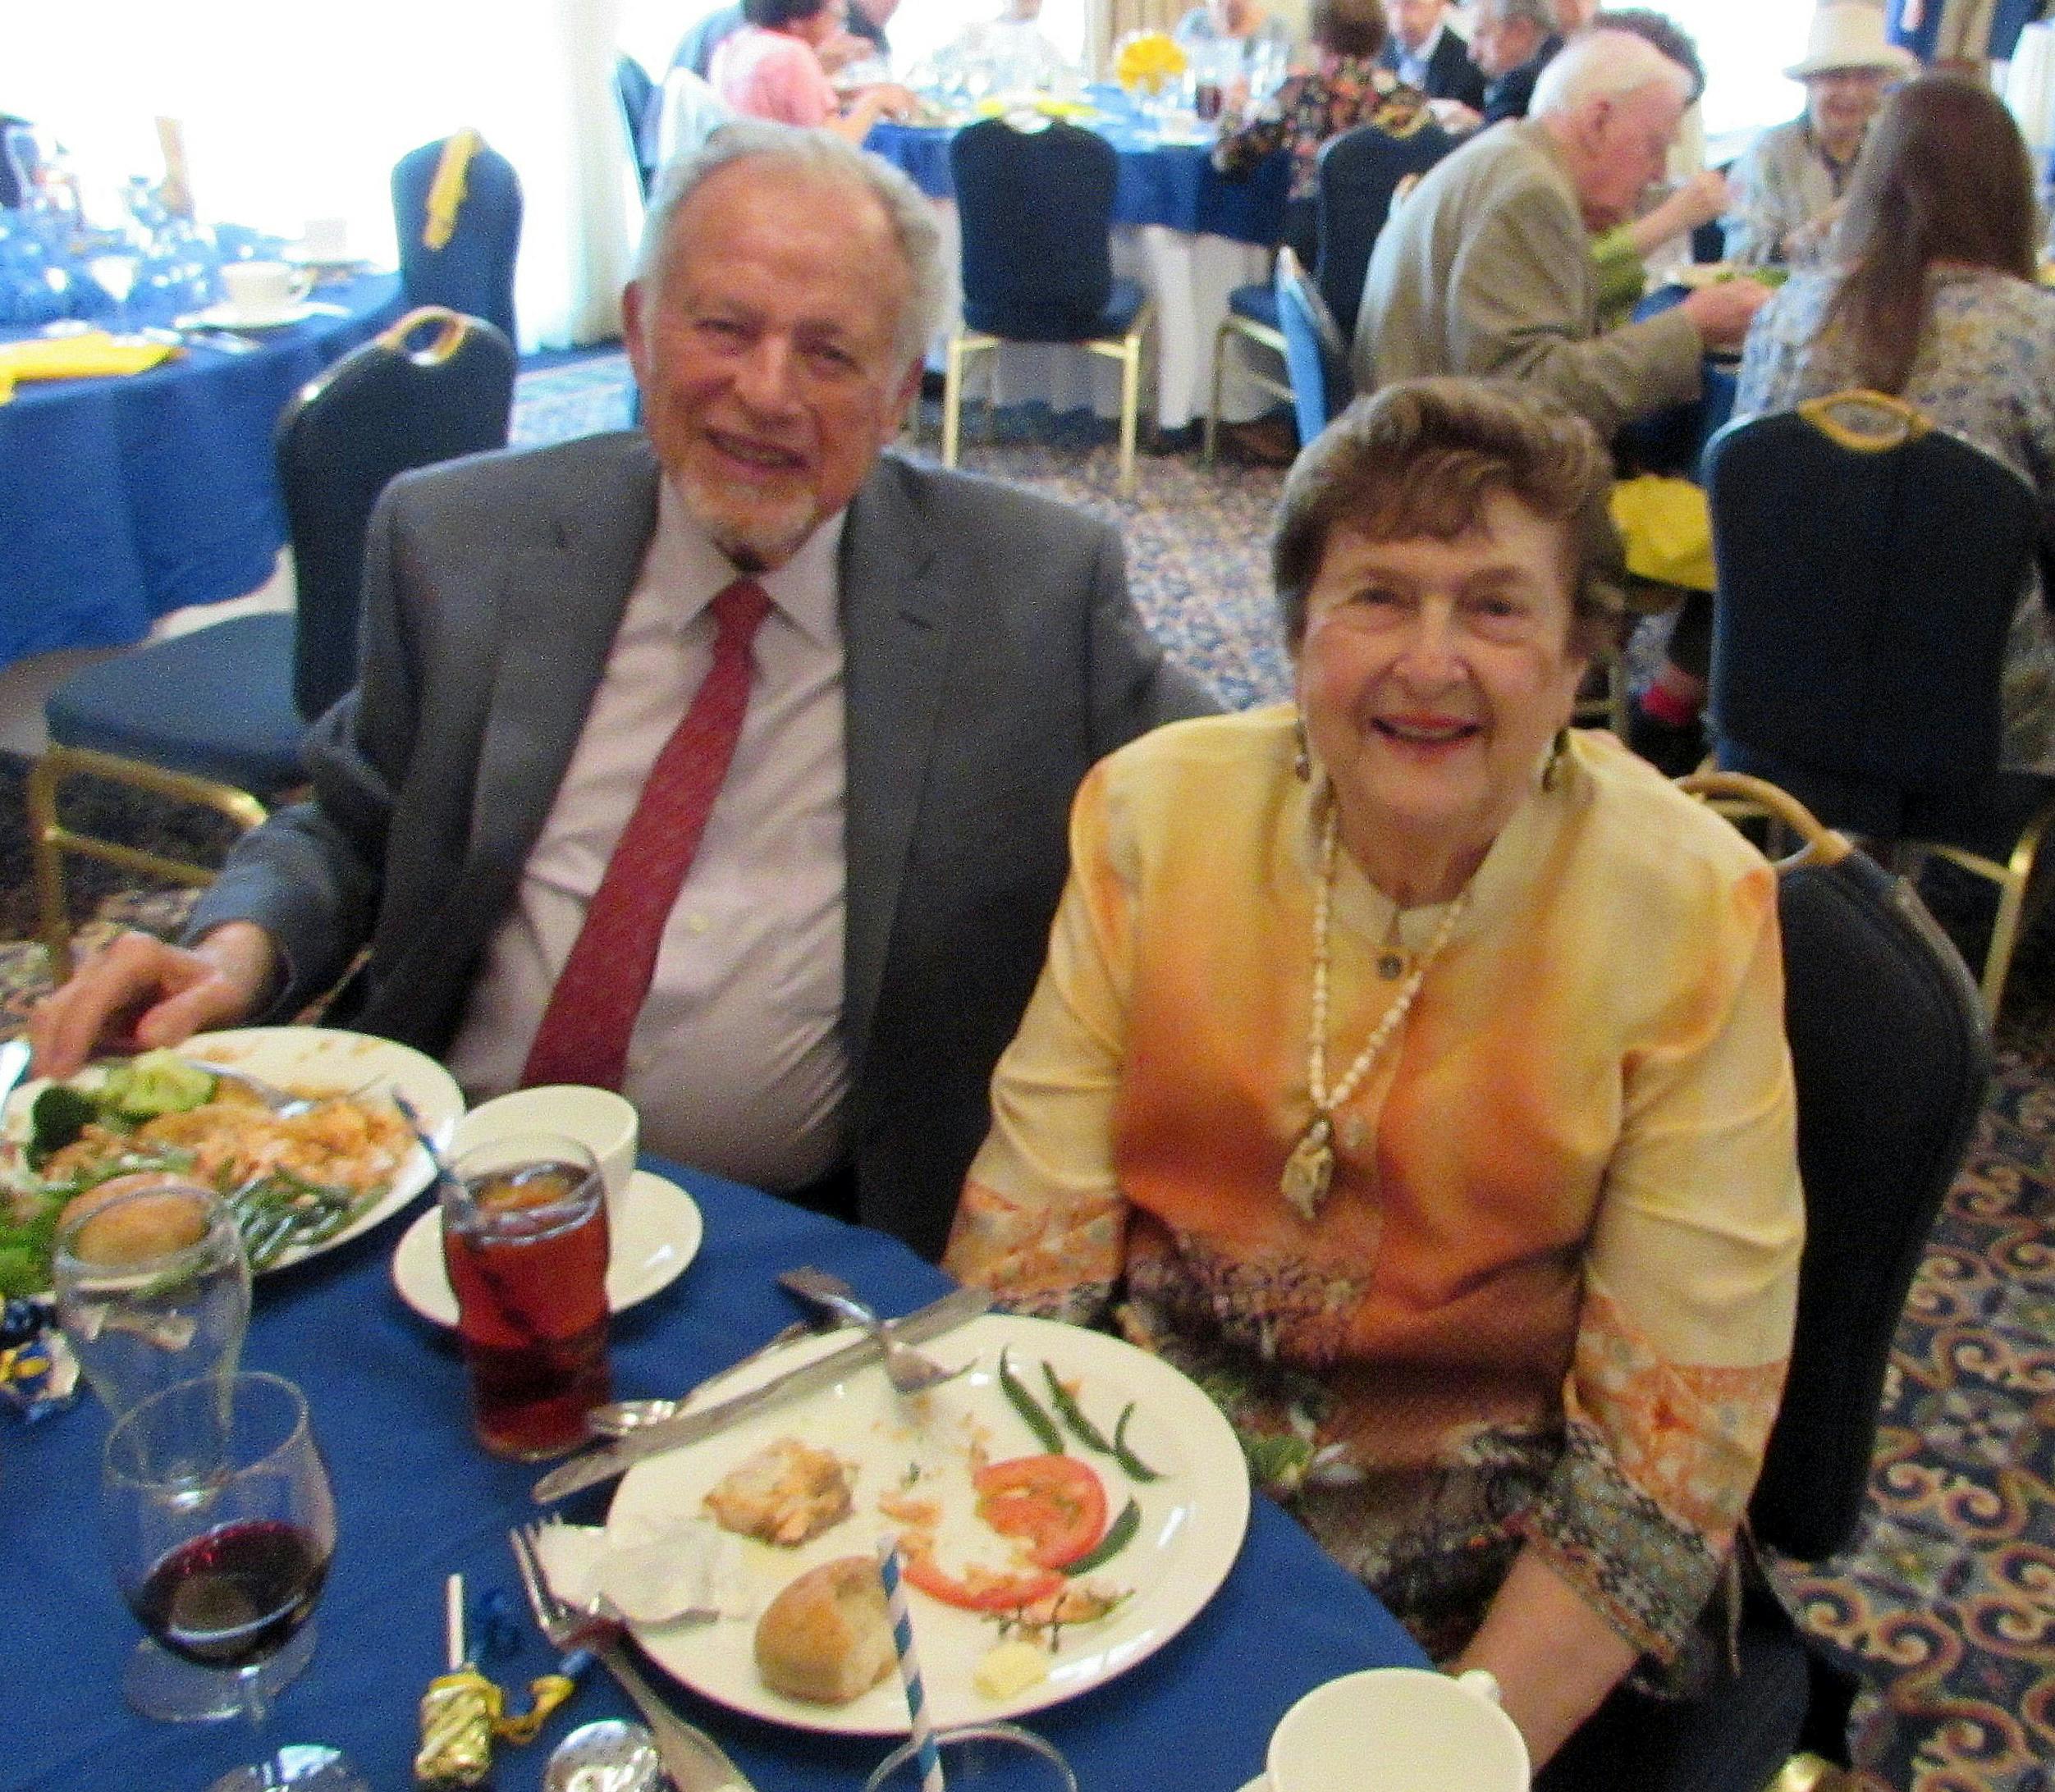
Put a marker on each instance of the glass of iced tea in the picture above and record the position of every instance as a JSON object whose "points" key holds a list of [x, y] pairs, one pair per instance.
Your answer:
{"points": [[524, 1239]]}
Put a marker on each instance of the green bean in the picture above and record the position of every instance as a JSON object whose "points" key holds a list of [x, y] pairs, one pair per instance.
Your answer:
{"points": [[1030, 1408], [1120, 1533], [1132, 1464], [1072, 1415]]}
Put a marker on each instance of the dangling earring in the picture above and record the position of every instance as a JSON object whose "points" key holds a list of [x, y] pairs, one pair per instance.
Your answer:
{"points": [[1552, 766], [1301, 753]]}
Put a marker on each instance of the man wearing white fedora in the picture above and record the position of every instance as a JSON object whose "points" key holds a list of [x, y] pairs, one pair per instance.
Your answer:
{"points": [[1788, 188]]}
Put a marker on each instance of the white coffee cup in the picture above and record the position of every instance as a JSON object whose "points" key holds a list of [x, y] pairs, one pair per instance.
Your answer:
{"points": [[260, 290], [1399, 1729], [326, 238], [605, 1123]]}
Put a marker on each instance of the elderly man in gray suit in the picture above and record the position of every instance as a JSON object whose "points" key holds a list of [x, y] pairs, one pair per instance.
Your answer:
{"points": [[1486, 268], [867, 689]]}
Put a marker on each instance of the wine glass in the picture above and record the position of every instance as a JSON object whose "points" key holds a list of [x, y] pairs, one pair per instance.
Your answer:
{"points": [[153, 1288], [113, 267], [220, 1523]]}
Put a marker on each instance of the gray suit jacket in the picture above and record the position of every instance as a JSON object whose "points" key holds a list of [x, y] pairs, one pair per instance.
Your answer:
{"points": [[992, 655], [1486, 269]]}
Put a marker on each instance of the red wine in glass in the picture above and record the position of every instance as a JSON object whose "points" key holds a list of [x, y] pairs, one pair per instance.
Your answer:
{"points": [[232, 1597]]}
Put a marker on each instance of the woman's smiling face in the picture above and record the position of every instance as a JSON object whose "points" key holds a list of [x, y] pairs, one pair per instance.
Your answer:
{"points": [[1433, 675]]}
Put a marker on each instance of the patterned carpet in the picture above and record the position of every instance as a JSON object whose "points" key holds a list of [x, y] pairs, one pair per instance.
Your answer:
{"points": [[1946, 1603]]}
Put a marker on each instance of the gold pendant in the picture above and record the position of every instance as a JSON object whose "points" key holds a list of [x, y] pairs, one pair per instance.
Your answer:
{"points": [[1309, 1172]]}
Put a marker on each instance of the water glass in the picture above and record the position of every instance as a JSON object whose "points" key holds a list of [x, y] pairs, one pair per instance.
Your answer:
{"points": [[525, 1242], [1001, 1757]]}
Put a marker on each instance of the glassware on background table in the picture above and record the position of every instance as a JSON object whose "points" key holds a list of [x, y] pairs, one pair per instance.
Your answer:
{"points": [[221, 1524], [113, 271], [153, 1289], [524, 1239], [994, 1755]]}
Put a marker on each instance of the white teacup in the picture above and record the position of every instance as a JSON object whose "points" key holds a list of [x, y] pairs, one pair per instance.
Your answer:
{"points": [[605, 1123], [1399, 1729], [258, 290]]}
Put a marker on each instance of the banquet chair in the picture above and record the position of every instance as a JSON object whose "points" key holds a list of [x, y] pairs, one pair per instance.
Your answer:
{"points": [[473, 272], [1869, 566], [638, 99], [215, 717], [1315, 352], [1891, 1055], [1359, 171], [1034, 202], [19, 160]]}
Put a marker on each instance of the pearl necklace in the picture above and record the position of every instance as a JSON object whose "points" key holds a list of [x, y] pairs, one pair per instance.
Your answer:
{"points": [[1309, 1169]]}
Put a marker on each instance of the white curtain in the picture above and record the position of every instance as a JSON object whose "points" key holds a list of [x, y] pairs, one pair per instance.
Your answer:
{"points": [[293, 112]]}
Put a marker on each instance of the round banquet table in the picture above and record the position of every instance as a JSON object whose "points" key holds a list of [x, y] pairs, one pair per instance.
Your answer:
{"points": [[1189, 236], [124, 499], [417, 1500]]}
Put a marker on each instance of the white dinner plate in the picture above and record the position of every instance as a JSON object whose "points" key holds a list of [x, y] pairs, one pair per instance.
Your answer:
{"points": [[654, 1231], [1192, 1517], [228, 316], [327, 1059]]}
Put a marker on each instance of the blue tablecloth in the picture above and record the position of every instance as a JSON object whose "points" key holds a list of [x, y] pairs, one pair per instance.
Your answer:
{"points": [[1171, 183], [416, 1500], [121, 499]]}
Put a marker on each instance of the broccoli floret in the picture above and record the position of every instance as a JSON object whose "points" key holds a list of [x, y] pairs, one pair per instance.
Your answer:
{"points": [[60, 1114]]}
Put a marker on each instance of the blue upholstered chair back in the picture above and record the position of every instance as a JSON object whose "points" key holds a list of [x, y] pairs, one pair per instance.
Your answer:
{"points": [[474, 271], [1314, 351], [639, 96], [1864, 595], [20, 159], [1359, 172], [1035, 212], [404, 400]]}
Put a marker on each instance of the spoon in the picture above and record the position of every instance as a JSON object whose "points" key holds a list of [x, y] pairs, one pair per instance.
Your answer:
{"points": [[617, 1418], [609, 1756], [909, 1371]]}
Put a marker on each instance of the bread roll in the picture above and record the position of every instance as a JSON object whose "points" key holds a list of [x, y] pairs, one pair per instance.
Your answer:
{"points": [[828, 1636], [133, 1219]]}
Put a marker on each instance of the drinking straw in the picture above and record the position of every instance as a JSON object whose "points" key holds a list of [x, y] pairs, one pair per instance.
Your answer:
{"points": [[909, 1666]]}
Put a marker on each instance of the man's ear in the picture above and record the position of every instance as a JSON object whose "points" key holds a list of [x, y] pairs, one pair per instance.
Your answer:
{"points": [[907, 396], [633, 321]]}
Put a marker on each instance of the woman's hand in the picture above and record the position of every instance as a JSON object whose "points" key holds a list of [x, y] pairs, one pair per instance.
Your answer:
{"points": [[154, 994]]}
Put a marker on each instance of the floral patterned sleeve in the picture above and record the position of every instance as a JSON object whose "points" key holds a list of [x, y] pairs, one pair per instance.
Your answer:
{"points": [[1244, 142], [1042, 1222]]}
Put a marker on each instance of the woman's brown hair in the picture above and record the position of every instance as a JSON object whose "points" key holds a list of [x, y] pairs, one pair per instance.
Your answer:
{"points": [[1943, 176], [1348, 27]]}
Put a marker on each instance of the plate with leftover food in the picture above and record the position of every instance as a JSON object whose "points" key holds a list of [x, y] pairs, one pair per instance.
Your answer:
{"points": [[1061, 1512], [299, 1182]]}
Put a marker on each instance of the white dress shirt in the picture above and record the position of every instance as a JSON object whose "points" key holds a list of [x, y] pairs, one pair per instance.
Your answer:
{"points": [[1412, 66], [736, 1063]]}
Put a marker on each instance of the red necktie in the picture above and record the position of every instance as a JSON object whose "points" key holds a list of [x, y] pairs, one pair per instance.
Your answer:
{"points": [[584, 1036]]}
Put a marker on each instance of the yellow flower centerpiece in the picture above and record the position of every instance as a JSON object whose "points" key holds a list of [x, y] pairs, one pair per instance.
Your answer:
{"points": [[1148, 62]]}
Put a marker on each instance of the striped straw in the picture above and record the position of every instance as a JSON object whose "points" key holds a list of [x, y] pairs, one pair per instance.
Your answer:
{"points": [[909, 1666]]}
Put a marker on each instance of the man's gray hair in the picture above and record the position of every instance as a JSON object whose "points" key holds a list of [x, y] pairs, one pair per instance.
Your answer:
{"points": [[1537, 13], [911, 214], [1604, 65]]}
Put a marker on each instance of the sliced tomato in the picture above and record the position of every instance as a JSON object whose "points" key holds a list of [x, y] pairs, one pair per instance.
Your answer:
{"points": [[979, 1590], [1056, 1502]]}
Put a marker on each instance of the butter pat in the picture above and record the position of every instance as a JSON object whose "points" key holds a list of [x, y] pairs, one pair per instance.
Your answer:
{"points": [[1010, 1669]]}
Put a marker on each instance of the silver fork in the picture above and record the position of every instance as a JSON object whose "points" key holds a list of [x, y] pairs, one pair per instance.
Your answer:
{"points": [[907, 1368], [695, 1761]]}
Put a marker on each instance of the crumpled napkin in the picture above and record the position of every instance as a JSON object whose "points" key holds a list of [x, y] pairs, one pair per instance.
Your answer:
{"points": [[653, 1572], [90, 354]]}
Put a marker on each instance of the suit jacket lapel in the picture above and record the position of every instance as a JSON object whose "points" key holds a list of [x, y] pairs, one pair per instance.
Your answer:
{"points": [[896, 622]]}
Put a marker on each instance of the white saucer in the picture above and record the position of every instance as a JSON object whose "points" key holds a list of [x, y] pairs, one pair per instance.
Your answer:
{"points": [[227, 317], [656, 1230]]}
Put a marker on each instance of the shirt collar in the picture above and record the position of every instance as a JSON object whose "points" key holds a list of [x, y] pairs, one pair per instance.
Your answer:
{"points": [[806, 590]]}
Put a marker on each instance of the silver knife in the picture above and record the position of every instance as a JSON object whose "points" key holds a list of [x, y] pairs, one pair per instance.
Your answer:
{"points": [[588, 1470], [695, 1761]]}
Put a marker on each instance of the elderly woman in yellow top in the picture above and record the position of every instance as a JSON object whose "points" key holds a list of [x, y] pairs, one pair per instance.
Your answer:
{"points": [[1411, 1071]]}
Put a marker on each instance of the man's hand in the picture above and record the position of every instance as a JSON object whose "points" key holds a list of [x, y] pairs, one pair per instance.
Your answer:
{"points": [[1454, 118], [1721, 313], [143, 993]]}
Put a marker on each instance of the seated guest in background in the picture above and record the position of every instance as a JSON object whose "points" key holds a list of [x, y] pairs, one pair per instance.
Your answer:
{"points": [[1347, 86], [1424, 52], [866, 22], [1013, 51], [1788, 187], [1931, 296], [560, 640], [1572, 15], [1510, 41], [1409, 1069], [1487, 269], [1247, 23], [771, 69], [695, 49]]}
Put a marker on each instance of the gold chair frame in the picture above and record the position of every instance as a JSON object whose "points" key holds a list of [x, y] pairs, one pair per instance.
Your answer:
{"points": [[50, 842], [1248, 329], [1126, 350]]}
